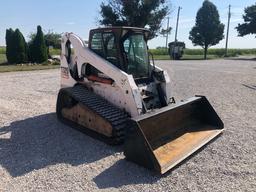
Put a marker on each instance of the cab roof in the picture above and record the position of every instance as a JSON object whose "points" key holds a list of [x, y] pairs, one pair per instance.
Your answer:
{"points": [[120, 29]]}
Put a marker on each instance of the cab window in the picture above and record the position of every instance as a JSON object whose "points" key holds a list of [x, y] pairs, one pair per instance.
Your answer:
{"points": [[104, 44]]}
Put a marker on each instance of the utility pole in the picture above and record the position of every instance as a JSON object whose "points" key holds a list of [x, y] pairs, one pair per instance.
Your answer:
{"points": [[229, 16], [167, 33], [177, 24]]}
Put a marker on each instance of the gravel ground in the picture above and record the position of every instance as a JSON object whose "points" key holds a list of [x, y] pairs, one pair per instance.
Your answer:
{"points": [[37, 153]]}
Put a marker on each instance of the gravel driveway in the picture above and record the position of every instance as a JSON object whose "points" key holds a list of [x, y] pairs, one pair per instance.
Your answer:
{"points": [[38, 153]]}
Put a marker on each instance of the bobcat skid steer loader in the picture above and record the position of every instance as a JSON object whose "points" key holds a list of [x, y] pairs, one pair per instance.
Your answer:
{"points": [[111, 91]]}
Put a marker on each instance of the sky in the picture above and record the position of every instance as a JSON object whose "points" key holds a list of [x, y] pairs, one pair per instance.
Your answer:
{"points": [[79, 16]]}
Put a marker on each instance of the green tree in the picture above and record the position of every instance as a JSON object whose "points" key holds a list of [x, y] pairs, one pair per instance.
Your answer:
{"points": [[249, 25], [135, 13], [38, 49], [208, 29], [9, 46], [165, 32], [19, 47], [51, 39], [16, 47]]}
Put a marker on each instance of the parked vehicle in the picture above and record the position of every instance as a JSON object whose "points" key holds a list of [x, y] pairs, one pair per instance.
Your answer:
{"points": [[176, 49]]}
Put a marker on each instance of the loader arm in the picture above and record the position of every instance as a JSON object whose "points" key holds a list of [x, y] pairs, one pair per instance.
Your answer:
{"points": [[123, 81]]}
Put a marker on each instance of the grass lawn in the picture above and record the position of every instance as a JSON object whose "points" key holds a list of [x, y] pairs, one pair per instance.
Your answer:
{"points": [[185, 57], [25, 67], [55, 51], [3, 58], [199, 57], [4, 67]]}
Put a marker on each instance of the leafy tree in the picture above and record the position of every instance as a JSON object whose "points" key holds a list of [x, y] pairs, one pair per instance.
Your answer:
{"points": [[135, 13], [208, 29], [9, 46], [51, 39], [38, 49], [249, 25], [164, 32]]}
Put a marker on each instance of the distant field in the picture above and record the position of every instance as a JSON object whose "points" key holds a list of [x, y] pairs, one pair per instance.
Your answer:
{"points": [[199, 52], [2, 50], [4, 67], [2, 58], [161, 53], [185, 57], [54, 51]]}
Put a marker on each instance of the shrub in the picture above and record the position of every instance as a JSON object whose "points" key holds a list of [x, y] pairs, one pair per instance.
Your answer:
{"points": [[20, 50], [38, 49], [16, 47], [9, 46]]}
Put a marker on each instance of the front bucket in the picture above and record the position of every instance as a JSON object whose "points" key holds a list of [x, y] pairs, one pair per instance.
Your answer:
{"points": [[161, 139]]}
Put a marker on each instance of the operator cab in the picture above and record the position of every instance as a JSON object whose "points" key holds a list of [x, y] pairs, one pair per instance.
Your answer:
{"points": [[124, 47]]}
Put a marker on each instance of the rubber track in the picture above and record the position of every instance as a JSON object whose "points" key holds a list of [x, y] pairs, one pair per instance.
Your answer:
{"points": [[115, 116]]}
